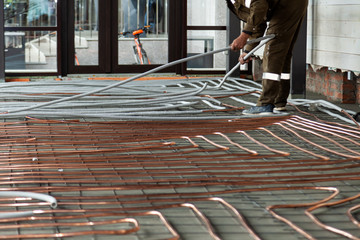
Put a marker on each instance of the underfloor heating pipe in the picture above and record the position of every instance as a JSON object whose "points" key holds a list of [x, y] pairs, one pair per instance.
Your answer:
{"points": [[18, 194], [119, 83], [135, 77], [314, 104], [265, 40]]}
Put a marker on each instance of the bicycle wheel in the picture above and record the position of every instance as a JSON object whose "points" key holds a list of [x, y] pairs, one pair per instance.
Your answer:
{"points": [[136, 56], [143, 59]]}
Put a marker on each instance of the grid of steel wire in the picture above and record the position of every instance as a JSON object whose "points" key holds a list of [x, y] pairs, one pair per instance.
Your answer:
{"points": [[111, 168], [286, 176]]}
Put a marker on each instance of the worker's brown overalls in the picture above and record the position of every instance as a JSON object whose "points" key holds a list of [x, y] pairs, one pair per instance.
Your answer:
{"points": [[285, 18]]}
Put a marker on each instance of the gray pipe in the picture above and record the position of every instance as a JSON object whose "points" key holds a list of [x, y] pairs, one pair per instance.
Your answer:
{"points": [[120, 83], [43, 197], [265, 38]]}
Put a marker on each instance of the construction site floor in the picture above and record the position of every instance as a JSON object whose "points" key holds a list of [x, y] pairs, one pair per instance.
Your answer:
{"points": [[174, 159]]}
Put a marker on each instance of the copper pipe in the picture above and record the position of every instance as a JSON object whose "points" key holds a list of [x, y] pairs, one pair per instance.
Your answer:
{"points": [[291, 224], [320, 120], [191, 141], [328, 139], [352, 218], [328, 132], [349, 116], [212, 199], [342, 130], [227, 176], [72, 234], [239, 216], [141, 165], [236, 144], [212, 143], [263, 145], [203, 218], [309, 211], [85, 215], [293, 145], [312, 143]]}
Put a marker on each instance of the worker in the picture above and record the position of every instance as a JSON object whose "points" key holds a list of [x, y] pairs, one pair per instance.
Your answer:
{"points": [[282, 18]]}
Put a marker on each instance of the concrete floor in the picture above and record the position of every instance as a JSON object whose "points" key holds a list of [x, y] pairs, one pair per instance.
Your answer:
{"points": [[95, 168]]}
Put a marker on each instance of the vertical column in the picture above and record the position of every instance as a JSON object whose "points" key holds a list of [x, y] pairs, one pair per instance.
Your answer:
{"points": [[2, 45], [298, 68], [233, 31]]}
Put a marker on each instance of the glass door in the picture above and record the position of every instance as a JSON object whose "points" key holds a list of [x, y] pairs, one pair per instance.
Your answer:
{"points": [[117, 36], [142, 28], [142, 35], [86, 32], [88, 51]]}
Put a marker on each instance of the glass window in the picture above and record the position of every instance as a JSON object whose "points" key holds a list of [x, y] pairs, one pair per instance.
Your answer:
{"points": [[32, 13], [35, 50], [31, 50], [86, 32], [142, 28], [206, 13], [201, 41]]}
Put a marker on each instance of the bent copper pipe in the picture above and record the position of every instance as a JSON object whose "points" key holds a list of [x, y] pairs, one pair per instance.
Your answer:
{"points": [[352, 218], [86, 215], [343, 130], [328, 139], [73, 234], [343, 233], [208, 172], [312, 143], [263, 145], [294, 146], [291, 224]]}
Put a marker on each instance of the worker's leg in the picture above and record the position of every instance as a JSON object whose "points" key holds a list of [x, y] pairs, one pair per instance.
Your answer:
{"points": [[283, 94], [286, 20], [284, 88], [270, 89]]}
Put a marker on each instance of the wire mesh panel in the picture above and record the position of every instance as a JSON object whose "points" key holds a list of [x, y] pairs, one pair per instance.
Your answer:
{"points": [[285, 176]]}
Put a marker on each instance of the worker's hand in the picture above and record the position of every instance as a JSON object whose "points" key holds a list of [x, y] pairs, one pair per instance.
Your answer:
{"points": [[240, 42], [241, 58]]}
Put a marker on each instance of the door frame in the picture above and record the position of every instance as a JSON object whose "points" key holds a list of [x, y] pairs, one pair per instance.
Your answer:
{"points": [[104, 20], [108, 33], [175, 11]]}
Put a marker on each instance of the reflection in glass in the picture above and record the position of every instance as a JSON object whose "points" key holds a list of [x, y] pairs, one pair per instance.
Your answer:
{"points": [[206, 13], [34, 13], [151, 17], [206, 41], [86, 32], [30, 50]]}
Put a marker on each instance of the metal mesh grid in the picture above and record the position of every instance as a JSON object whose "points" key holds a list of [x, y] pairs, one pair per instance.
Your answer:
{"points": [[188, 179]]}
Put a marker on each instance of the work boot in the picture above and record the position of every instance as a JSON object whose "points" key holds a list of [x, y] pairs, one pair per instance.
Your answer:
{"points": [[259, 110]]}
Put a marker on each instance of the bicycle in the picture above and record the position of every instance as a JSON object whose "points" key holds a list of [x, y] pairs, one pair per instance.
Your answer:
{"points": [[139, 52]]}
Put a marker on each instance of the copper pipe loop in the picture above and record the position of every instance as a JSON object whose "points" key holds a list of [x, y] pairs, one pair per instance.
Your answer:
{"points": [[108, 177]]}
